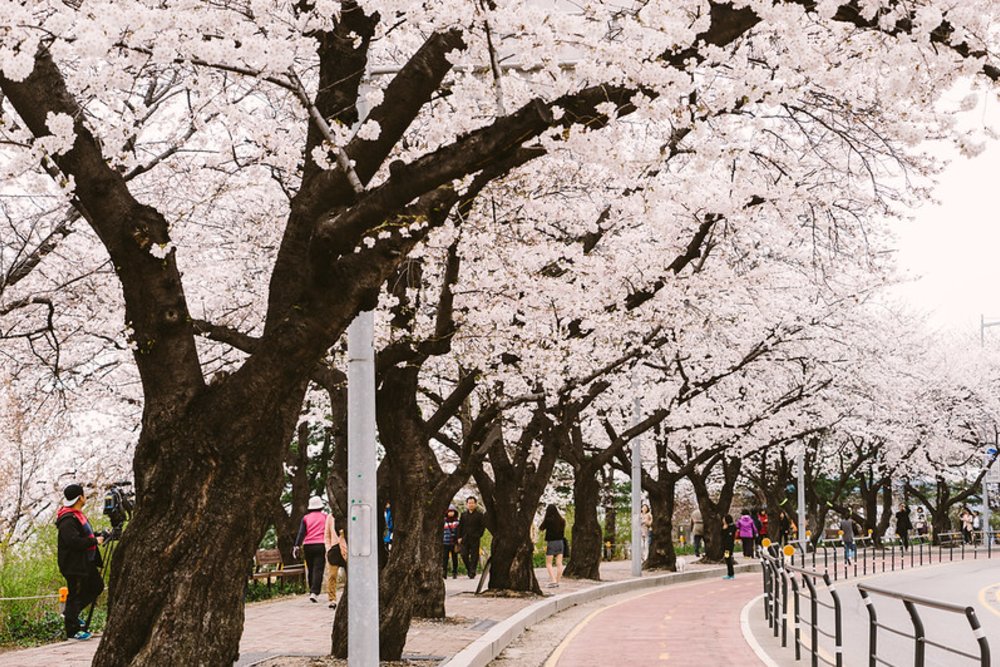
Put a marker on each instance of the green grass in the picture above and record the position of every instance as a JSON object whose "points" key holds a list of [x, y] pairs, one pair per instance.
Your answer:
{"points": [[259, 590], [32, 570]]}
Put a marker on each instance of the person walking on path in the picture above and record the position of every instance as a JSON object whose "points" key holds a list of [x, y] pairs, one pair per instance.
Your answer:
{"points": [[728, 544], [847, 531], [903, 526], [331, 542], [311, 539], [471, 526], [451, 541], [747, 531], [555, 542], [79, 560], [762, 525], [920, 524], [646, 521], [785, 527], [966, 519], [697, 530]]}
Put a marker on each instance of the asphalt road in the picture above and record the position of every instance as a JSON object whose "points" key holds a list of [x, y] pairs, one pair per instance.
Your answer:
{"points": [[974, 583]]}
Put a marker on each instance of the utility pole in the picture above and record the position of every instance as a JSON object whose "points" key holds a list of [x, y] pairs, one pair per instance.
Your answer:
{"points": [[362, 464], [801, 489], [636, 488]]}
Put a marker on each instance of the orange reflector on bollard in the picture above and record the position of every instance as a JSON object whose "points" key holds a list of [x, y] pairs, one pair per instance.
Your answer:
{"points": [[789, 550], [63, 594], [765, 543]]}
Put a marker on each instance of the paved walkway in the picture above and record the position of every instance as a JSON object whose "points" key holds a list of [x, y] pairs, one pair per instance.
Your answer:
{"points": [[295, 626], [694, 624]]}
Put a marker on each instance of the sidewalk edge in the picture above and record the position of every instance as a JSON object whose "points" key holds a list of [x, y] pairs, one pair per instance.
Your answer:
{"points": [[483, 650]]}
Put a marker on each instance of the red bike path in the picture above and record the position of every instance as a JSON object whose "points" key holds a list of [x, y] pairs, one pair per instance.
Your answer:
{"points": [[695, 624]]}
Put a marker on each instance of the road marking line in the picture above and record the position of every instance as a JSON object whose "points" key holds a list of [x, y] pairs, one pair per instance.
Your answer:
{"points": [[748, 635], [993, 606]]}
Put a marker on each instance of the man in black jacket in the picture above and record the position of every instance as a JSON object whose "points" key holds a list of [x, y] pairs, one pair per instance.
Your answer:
{"points": [[471, 526], [79, 560]]}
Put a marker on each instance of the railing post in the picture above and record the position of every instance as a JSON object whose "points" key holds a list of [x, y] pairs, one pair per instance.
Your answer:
{"points": [[872, 629], [776, 609], [814, 626], [798, 631], [918, 634], [784, 607], [765, 571], [977, 631], [838, 625]]}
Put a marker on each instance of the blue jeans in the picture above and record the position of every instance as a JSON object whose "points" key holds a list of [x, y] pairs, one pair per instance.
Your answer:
{"points": [[850, 551]]}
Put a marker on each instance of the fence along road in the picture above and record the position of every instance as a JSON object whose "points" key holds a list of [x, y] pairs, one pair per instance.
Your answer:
{"points": [[972, 583]]}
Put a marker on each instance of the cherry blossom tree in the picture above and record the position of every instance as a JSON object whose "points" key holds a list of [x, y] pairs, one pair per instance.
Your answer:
{"points": [[258, 140]]}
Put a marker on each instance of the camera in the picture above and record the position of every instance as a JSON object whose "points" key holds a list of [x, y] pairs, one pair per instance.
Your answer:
{"points": [[119, 501]]}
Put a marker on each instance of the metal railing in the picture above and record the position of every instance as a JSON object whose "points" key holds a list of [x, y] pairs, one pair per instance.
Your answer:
{"points": [[891, 554], [919, 636], [782, 575], [809, 578]]}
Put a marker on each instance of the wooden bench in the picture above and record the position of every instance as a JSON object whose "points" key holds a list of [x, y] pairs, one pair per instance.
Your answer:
{"points": [[267, 565]]}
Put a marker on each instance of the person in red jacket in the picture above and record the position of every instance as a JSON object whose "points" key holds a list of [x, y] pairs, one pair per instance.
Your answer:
{"points": [[79, 560]]}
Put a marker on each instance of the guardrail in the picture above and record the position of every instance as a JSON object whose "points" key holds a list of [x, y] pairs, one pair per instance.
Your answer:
{"points": [[919, 636], [891, 554], [781, 575], [809, 578]]}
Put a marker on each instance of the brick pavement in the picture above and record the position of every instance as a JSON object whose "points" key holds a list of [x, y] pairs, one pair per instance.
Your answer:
{"points": [[694, 624], [295, 626]]}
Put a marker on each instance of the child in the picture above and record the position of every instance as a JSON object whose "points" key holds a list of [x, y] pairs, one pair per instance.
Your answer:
{"points": [[451, 541]]}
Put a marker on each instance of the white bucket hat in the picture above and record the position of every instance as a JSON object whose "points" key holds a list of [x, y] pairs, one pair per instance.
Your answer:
{"points": [[315, 503]]}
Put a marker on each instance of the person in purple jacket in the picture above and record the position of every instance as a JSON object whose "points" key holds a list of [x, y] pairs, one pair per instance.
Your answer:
{"points": [[747, 530]]}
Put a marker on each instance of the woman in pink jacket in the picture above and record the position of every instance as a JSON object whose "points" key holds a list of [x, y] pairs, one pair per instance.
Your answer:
{"points": [[747, 530], [310, 538]]}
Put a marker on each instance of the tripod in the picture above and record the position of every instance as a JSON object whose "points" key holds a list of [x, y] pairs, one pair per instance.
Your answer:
{"points": [[107, 553]]}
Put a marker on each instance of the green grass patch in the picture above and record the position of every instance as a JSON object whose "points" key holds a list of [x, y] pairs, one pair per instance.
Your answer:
{"points": [[32, 570]]}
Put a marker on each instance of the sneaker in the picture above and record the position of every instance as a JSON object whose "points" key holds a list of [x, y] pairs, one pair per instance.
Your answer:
{"points": [[312, 597], [332, 605], [551, 584], [728, 577], [82, 635]]}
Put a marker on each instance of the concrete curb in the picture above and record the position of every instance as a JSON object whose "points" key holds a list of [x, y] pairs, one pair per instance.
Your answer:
{"points": [[484, 649]]}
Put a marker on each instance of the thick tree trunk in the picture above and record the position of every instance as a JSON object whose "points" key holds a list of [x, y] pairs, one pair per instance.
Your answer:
{"points": [[585, 549], [514, 492], [713, 511], [610, 529], [413, 573], [286, 525], [512, 558], [214, 469], [661, 548], [411, 582]]}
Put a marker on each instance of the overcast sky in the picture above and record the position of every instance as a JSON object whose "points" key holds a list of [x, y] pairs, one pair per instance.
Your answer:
{"points": [[954, 247]]}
